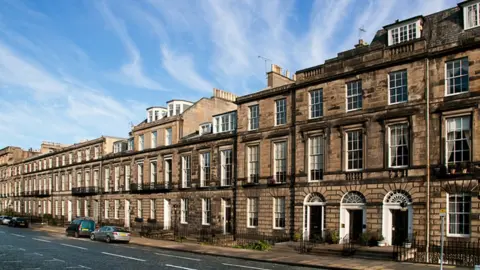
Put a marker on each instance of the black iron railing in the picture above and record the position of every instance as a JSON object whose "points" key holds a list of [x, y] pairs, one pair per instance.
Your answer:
{"points": [[458, 253], [150, 187], [83, 191]]}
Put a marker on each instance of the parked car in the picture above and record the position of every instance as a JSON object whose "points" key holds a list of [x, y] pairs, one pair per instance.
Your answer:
{"points": [[6, 220], [111, 234], [80, 227], [18, 222]]}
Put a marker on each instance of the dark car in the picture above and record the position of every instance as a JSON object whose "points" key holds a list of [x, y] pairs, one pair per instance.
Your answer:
{"points": [[110, 234], [80, 227], [18, 222]]}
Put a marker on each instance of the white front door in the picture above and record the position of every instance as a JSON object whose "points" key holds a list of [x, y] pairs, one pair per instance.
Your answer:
{"points": [[227, 216], [69, 210], [127, 213], [167, 214]]}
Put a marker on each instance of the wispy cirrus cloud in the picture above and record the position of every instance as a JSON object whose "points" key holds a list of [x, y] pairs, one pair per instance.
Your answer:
{"points": [[133, 71]]}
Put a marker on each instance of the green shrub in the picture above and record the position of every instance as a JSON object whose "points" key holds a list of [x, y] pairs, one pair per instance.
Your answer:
{"points": [[335, 237], [297, 236], [259, 245]]}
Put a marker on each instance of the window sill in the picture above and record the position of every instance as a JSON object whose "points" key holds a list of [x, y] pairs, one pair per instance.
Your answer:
{"points": [[280, 228], [354, 110], [249, 184], [398, 103], [458, 235], [252, 227], [456, 94], [205, 224], [185, 223]]}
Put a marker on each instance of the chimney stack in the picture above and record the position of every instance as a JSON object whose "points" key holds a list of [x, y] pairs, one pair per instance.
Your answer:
{"points": [[275, 77], [287, 73], [361, 43], [277, 69]]}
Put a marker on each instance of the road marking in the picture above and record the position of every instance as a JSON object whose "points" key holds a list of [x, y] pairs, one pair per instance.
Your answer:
{"points": [[179, 267], [54, 260], [41, 240], [38, 254], [22, 249], [126, 257], [12, 261], [244, 266], [19, 235], [67, 245], [180, 257], [81, 266]]}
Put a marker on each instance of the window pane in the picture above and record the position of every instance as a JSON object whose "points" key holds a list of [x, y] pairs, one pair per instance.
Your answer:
{"points": [[456, 80]]}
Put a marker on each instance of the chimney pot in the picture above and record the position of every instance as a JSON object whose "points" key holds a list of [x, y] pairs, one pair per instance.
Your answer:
{"points": [[287, 73], [276, 69]]}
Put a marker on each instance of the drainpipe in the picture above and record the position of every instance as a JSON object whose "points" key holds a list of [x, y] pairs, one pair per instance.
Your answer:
{"points": [[427, 122], [235, 183], [293, 152]]}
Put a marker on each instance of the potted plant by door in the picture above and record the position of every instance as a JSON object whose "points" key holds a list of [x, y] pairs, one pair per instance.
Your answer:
{"points": [[381, 241], [464, 167], [452, 168]]}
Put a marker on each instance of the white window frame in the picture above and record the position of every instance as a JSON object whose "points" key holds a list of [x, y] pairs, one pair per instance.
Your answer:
{"points": [[358, 88], [184, 211], [315, 98], [116, 206], [205, 166], [168, 136], [225, 163], [50, 162], [206, 211], [152, 209], [153, 142], [280, 112], [127, 177], [253, 163], [253, 117], [107, 180], [252, 212], [360, 131], [116, 182], [87, 154], [402, 73], [457, 213], [407, 27], [139, 173], [70, 158], [107, 205], [186, 171], [316, 158], [460, 62], [96, 152], [79, 156], [168, 170], [141, 143], [391, 145], [465, 15], [153, 171], [87, 179], [139, 208], [277, 160], [278, 212], [464, 118], [225, 123]]}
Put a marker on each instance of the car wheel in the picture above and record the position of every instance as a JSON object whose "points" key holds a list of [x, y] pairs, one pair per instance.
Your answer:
{"points": [[108, 239], [77, 235], [92, 237]]}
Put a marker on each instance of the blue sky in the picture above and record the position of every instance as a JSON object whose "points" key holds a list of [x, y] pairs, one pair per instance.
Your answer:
{"points": [[73, 70]]}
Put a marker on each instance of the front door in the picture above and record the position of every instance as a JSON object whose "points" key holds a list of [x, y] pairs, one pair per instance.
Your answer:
{"points": [[356, 223], [70, 214], [228, 217], [127, 213], [315, 222], [400, 226]]}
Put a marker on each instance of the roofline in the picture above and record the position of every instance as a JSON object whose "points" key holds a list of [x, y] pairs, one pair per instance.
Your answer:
{"points": [[463, 3], [161, 107], [403, 21], [223, 113], [183, 100]]}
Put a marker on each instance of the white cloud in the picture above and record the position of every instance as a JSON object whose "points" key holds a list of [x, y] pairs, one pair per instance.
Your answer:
{"points": [[182, 68], [133, 70]]}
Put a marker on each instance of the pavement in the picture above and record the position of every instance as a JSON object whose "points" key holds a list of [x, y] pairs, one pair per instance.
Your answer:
{"points": [[143, 253]]}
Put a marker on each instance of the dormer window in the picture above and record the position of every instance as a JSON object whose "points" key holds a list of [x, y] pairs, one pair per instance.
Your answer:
{"points": [[170, 109], [471, 15], [205, 128], [225, 122], [404, 32]]}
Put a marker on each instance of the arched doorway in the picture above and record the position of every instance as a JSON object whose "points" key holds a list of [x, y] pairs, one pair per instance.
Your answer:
{"points": [[353, 217], [313, 216], [397, 217]]}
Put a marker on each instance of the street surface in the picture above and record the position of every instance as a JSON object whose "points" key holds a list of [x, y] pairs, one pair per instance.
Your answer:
{"points": [[26, 249]]}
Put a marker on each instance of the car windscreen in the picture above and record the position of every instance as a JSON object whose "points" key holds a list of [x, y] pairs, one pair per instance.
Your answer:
{"points": [[21, 219], [88, 224], [119, 229]]}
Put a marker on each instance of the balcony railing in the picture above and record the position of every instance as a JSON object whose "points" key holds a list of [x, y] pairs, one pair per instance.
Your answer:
{"points": [[42, 193], [84, 191], [150, 187]]}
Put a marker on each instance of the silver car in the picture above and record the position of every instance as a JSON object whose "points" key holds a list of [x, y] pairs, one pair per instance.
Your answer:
{"points": [[110, 234]]}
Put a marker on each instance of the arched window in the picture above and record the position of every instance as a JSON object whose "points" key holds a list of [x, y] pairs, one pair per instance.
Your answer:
{"points": [[398, 196], [314, 198], [354, 197]]}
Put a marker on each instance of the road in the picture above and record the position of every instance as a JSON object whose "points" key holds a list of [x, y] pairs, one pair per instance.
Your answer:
{"points": [[26, 249]]}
